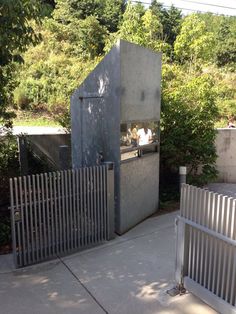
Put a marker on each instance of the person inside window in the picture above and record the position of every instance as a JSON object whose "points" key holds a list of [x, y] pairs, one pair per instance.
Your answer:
{"points": [[144, 135], [231, 123]]}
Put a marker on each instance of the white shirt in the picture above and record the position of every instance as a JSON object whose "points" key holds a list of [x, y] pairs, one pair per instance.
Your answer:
{"points": [[143, 137]]}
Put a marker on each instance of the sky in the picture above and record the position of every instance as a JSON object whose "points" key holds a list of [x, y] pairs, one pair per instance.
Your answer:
{"points": [[226, 7]]}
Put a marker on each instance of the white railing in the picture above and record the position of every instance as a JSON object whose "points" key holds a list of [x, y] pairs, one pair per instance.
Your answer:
{"points": [[206, 247]]}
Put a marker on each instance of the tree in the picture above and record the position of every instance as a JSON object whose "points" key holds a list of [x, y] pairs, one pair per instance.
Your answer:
{"points": [[16, 33], [226, 46], [107, 12], [194, 41], [141, 27], [189, 112], [170, 19]]}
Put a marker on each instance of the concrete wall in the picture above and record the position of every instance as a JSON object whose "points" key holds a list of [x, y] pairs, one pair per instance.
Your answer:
{"points": [[124, 87], [140, 83], [226, 151], [139, 191]]}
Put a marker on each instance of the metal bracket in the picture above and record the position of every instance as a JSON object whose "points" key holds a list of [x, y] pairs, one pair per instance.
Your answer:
{"points": [[177, 290]]}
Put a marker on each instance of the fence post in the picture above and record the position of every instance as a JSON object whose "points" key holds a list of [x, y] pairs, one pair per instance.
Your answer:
{"points": [[13, 230], [182, 176], [180, 252], [110, 201]]}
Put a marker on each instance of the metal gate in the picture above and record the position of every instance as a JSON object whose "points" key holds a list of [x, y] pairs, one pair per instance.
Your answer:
{"points": [[54, 214], [206, 247]]}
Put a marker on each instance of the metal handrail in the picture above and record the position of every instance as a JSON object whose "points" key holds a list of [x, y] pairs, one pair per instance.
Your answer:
{"points": [[131, 149]]}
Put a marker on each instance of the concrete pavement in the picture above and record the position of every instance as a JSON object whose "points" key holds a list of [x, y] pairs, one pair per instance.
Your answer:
{"points": [[129, 275]]}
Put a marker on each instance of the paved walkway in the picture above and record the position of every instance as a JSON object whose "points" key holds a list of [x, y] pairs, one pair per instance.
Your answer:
{"points": [[129, 275], [223, 188]]}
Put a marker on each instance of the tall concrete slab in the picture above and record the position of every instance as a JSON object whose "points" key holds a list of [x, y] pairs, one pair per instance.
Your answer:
{"points": [[123, 88]]}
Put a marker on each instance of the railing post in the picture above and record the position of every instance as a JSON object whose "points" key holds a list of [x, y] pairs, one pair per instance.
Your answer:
{"points": [[110, 200], [13, 230], [180, 252], [182, 176]]}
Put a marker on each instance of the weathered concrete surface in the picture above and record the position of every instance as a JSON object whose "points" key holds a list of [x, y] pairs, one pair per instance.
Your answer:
{"points": [[49, 288], [226, 151], [129, 275], [124, 87], [139, 195], [140, 83]]}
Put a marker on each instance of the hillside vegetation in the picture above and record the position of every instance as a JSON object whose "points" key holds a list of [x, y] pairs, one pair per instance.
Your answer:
{"points": [[198, 71], [77, 34]]}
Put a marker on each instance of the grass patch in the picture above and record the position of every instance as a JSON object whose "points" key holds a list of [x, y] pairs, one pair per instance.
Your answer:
{"points": [[28, 118]]}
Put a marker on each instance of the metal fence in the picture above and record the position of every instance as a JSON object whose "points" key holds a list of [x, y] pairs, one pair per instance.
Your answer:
{"points": [[57, 213], [206, 247]]}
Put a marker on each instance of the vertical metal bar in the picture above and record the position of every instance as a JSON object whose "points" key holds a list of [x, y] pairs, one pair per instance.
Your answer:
{"points": [[193, 218], [207, 240], [44, 224], [78, 209], [70, 212], [88, 186], [13, 224], [187, 205], [105, 200], [102, 203], [35, 219], [110, 202], [98, 205], [231, 271], [75, 230], [59, 201], [92, 205], [67, 211], [210, 251], [55, 211], [202, 253], [95, 204], [232, 295], [220, 261], [29, 249], [85, 207], [191, 200], [39, 202], [52, 219], [181, 252], [81, 189], [216, 227], [49, 229], [225, 246], [19, 240], [31, 220], [198, 218], [214, 242], [63, 210], [23, 229]]}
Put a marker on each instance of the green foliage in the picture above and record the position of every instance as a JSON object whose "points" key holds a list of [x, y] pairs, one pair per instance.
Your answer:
{"points": [[170, 19], [108, 12], [198, 69], [16, 33], [141, 27], [194, 41], [188, 116], [9, 165]]}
